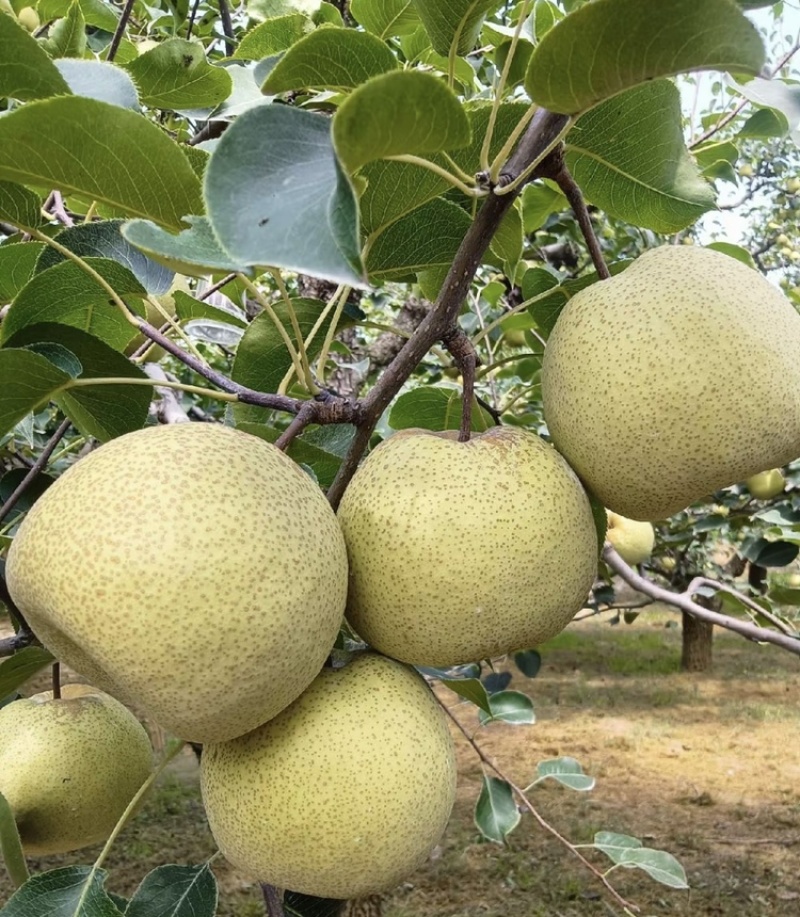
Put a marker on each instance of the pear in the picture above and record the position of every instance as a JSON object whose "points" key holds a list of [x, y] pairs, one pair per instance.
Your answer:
{"points": [[70, 766], [672, 380], [345, 792], [193, 571], [465, 551], [766, 484], [632, 540]]}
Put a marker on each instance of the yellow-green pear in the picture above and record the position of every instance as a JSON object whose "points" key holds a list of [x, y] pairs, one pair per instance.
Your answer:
{"points": [[344, 793], [674, 379], [464, 551], [70, 766], [766, 484], [632, 540], [192, 570]]}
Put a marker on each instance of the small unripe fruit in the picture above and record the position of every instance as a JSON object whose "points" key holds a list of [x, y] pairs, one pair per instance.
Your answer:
{"points": [[767, 484]]}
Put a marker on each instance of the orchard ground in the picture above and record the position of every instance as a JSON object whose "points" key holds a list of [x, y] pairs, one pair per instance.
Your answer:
{"points": [[704, 766]]}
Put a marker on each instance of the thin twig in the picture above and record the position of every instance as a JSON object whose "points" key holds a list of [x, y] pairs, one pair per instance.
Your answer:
{"points": [[56, 669], [702, 581], [36, 468], [489, 762], [192, 17], [273, 900], [298, 424], [24, 635], [541, 133], [215, 287], [684, 601], [715, 128], [227, 27], [125, 15]]}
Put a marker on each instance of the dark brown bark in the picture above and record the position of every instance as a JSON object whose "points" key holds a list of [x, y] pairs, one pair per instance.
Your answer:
{"points": [[698, 639]]}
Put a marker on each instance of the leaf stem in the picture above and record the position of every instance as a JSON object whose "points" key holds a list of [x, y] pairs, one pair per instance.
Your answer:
{"points": [[161, 383], [298, 334], [329, 335], [500, 88], [512, 182], [505, 151], [441, 172]]}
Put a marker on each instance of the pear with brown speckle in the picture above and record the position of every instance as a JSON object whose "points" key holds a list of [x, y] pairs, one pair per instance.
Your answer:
{"points": [[70, 766], [464, 551], [344, 793], [191, 570], [673, 379]]}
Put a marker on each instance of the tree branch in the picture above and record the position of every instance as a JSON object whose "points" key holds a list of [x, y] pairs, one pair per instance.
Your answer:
{"points": [[35, 470], [24, 636], [120, 30], [520, 793], [273, 900], [441, 320], [684, 602]]}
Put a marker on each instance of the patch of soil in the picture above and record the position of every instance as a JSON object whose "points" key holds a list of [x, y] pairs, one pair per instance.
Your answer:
{"points": [[706, 767]]}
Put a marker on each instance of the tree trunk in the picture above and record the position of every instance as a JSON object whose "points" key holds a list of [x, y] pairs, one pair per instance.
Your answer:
{"points": [[698, 636]]}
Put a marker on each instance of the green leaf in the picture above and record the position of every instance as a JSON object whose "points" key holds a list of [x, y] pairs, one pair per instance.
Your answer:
{"points": [[396, 188], [26, 71], [330, 58], [428, 236], [101, 411], [509, 707], [57, 893], [768, 553], [67, 37], [69, 296], [175, 75], [103, 240], [268, 9], [272, 37], [20, 206], [95, 12], [566, 771], [387, 19], [435, 408], [628, 851], [195, 251], [175, 891], [277, 196], [506, 244], [629, 158], [189, 308], [33, 490], [496, 813], [17, 263], [406, 112], [777, 95], [23, 665], [296, 904], [262, 359], [538, 202], [26, 380], [63, 143], [11, 845], [612, 45], [98, 80], [765, 123], [470, 689], [528, 662], [449, 22], [734, 251]]}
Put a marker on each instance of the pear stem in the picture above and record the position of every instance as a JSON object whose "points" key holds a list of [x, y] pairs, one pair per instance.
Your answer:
{"points": [[555, 168], [56, 681]]}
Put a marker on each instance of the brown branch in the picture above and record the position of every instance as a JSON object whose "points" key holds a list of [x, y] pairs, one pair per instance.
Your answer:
{"points": [[745, 102], [555, 168], [702, 581], [463, 352], [440, 321], [489, 762], [24, 635], [227, 27], [273, 900], [35, 469], [683, 601], [300, 421], [120, 30], [217, 286]]}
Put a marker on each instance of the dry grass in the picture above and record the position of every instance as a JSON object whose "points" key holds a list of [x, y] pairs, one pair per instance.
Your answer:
{"points": [[707, 767]]}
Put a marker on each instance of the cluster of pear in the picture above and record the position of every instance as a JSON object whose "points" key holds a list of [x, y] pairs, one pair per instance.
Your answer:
{"points": [[195, 572]]}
